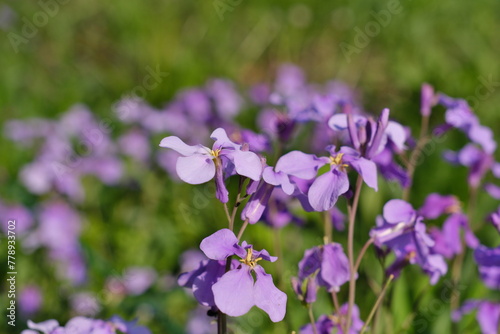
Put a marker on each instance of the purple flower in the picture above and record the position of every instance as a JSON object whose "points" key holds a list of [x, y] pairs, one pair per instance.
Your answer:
{"points": [[200, 323], [448, 241], [59, 231], [130, 327], [402, 230], [135, 144], [236, 291], [326, 324], [326, 189], [326, 264], [226, 99], [488, 314], [30, 299], [494, 218], [82, 325], [367, 136], [22, 216], [436, 205], [478, 161], [459, 115], [258, 201], [201, 280], [85, 303], [488, 261], [200, 164], [427, 100], [138, 279]]}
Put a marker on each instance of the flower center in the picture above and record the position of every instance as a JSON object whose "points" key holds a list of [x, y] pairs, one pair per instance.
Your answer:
{"points": [[215, 153], [337, 160], [249, 260]]}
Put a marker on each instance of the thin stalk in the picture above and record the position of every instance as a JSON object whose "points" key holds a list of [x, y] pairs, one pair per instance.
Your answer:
{"points": [[221, 323], [415, 155], [311, 319], [228, 216], [335, 300], [362, 253], [327, 225], [239, 198], [377, 304], [350, 251], [456, 270], [242, 229]]}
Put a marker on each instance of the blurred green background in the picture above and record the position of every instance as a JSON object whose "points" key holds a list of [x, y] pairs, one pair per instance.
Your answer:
{"points": [[95, 52]]}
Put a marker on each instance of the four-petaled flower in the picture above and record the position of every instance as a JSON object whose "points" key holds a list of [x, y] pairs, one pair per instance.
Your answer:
{"points": [[236, 291], [199, 164]]}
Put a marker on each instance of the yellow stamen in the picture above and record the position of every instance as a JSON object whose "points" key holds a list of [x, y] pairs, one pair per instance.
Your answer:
{"points": [[249, 260], [337, 160], [215, 153]]}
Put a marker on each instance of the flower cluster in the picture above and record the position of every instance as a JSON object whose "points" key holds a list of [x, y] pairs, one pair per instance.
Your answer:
{"points": [[315, 151]]}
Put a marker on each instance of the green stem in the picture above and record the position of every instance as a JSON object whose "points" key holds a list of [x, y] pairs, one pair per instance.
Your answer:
{"points": [[415, 155], [327, 225], [311, 319], [377, 304], [352, 209]]}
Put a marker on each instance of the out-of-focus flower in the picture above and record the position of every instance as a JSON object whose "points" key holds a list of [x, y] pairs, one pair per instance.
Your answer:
{"points": [[135, 144], [30, 300], [84, 303], [138, 279], [18, 213], [460, 116], [59, 230], [402, 230], [475, 159], [427, 100], [488, 314], [326, 323], [200, 322], [494, 218], [327, 265], [488, 261], [82, 325]]}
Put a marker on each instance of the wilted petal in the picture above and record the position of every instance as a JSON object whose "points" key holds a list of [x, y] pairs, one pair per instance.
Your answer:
{"points": [[178, 145], [396, 211], [309, 263], [221, 191], [299, 164], [220, 245], [234, 292], [326, 189], [195, 169], [268, 297]]}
